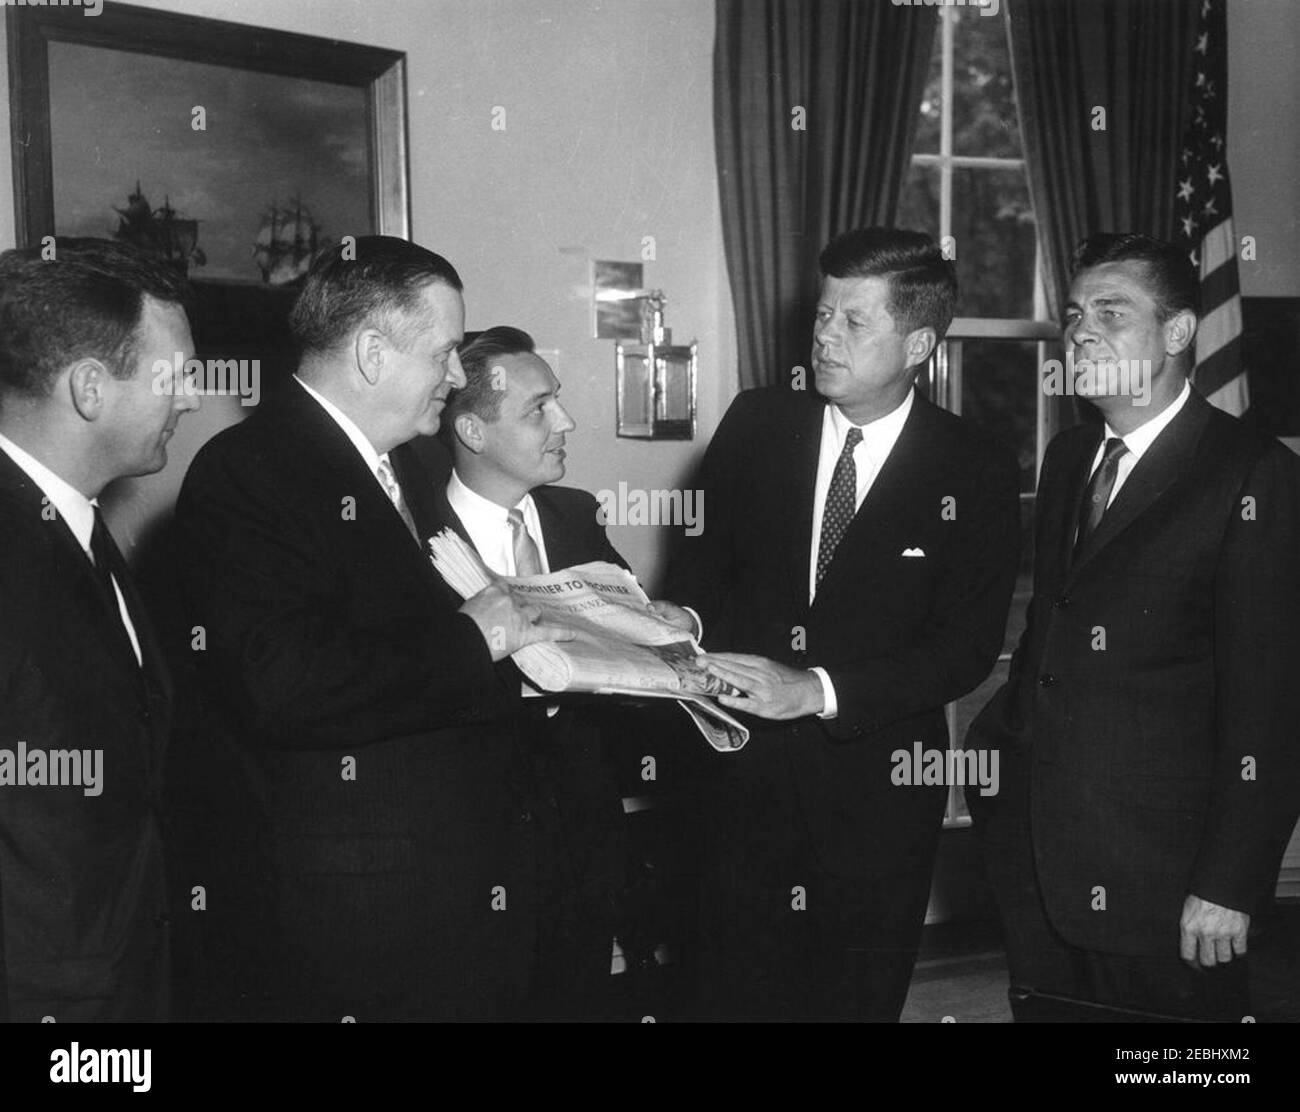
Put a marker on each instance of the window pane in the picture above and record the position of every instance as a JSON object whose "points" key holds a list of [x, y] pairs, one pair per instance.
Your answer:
{"points": [[918, 207], [993, 223], [984, 118], [927, 130], [999, 392]]}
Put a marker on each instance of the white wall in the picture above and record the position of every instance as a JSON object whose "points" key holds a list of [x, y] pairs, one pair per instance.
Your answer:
{"points": [[609, 138], [1263, 150]]}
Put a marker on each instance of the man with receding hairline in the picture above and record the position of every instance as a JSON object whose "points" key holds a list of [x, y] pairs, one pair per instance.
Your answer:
{"points": [[400, 870], [1148, 722]]}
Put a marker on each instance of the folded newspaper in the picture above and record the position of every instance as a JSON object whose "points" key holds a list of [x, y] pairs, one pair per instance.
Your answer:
{"points": [[620, 647]]}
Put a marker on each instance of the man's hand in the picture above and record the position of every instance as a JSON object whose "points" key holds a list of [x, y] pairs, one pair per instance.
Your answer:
{"points": [[1211, 935], [507, 625], [674, 615], [773, 690]]}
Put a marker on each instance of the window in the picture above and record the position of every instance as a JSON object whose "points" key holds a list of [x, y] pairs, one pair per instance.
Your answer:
{"points": [[968, 186]]}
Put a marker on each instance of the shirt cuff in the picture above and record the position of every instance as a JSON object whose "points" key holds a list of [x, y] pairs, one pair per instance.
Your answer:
{"points": [[699, 625], [832, 707]]}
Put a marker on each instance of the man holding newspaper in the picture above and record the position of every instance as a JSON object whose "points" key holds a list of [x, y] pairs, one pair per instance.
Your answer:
{"points": [[857, 561]]}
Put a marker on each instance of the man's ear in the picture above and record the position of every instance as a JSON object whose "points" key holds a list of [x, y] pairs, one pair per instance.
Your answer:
{"points": [[1180, 331], [469, 431], [369, 349], [87, 386], [918, 345]]}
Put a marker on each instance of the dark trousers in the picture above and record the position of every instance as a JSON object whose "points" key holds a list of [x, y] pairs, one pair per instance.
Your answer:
{"points": [[583, 859], [782, 939], [1054, 981]]}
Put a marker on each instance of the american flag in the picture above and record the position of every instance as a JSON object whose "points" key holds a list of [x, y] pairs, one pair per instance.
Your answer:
{"points": [[1204, 208]]}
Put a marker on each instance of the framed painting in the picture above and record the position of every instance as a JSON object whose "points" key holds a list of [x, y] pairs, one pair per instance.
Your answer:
{"points": [[234, 151]]}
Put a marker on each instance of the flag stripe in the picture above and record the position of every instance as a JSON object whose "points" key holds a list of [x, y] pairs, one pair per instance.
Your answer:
{"points": [[1218, 327], [1220, 368], [1233, 396], [1218, 247], [1218, 288]]}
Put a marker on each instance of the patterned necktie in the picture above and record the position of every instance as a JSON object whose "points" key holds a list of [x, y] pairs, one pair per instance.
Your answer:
{"points": [[841, 503], [528, 560], [107, 559], [394, 491], [1097, 496]]}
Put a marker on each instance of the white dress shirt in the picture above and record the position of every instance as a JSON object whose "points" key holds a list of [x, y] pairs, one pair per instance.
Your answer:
{"points": [[488, 526], [359, 439], [1138, 441], [77, 511], [878, 440]]}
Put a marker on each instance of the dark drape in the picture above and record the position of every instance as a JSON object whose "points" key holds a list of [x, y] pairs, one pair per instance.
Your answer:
{"points": [[857, 69], [1069, 59]]}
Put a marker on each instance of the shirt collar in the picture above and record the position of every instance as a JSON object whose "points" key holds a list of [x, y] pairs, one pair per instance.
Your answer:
{"points": [[1142, 437], [467, 502], [349, 427], [878, 435], [70, 504]]}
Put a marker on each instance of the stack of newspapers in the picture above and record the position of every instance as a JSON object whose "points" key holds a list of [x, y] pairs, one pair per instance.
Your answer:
{"points": [[620, 647]]}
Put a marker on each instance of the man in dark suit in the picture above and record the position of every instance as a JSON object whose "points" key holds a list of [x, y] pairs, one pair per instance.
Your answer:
{"points": [[93, 341], [400, 864], [1149, 722], [506, 430], [857, 559]]}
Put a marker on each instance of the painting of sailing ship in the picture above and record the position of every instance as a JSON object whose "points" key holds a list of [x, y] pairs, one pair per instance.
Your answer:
{"points": [[241, 192], [163, 231], [286, 242]]}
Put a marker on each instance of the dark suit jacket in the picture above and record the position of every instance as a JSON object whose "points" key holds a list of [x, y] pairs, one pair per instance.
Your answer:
{"points": [[83, 927], [1131, 756], [388, 771], [586, 869], [899, 636]]}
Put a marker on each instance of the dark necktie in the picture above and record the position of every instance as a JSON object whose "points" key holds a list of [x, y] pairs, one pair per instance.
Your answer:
{"points": [[528, 560], [1097, 496], [108, 561], [841, 503]]}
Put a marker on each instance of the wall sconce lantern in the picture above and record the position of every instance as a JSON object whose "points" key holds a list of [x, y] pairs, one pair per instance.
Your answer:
{"points": [[655, 379]]}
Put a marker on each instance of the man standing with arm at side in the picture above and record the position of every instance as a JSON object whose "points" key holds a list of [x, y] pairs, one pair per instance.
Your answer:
{"points": [[857, 561], [401, 871], [84, 399], [1149, 722]]}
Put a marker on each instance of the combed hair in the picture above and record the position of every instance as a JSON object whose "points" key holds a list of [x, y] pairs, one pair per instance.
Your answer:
{"points": [[379, 280], [922, 283], [84, 303], [1174, 285], [477, 354]]}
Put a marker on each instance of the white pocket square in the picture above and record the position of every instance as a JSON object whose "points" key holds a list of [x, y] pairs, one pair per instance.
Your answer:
{"points": [[914, 552]]}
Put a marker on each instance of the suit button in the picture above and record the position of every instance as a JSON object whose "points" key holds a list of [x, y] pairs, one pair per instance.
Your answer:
{"points": [[1061, 602], [525, 816], [1047, 680]]}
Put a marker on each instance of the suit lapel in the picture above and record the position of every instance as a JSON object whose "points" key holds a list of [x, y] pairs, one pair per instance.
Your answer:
{"points": [[67, 552], [1161, 466], [800, 485], [896, 485]]}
